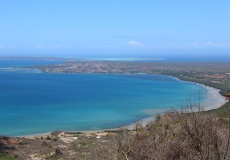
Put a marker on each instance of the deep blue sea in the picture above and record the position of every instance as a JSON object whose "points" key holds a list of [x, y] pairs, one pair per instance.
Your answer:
{"points": [[32, 102]]}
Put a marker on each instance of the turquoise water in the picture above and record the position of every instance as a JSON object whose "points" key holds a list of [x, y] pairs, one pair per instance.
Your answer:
{"points": [[33, 102]]}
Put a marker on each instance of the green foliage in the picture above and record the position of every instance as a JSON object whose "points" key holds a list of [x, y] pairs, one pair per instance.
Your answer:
{"points": [[24, 142], [5, 157], [222, 87], [223, 111], [12, 147], [48, 138]]}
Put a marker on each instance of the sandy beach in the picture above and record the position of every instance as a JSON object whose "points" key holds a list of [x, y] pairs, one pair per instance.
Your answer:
{"points": [[213, 100]]}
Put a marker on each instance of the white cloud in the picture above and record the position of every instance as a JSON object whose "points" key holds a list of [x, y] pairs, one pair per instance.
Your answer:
{"points": [[40, 46], [137, 45], [133, 43], [209, 44], [195, 44]]}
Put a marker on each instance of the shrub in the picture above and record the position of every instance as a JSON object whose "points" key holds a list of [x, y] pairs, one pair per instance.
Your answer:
{"points": [[23, 142], [5, 157], [48, 137], [186, 134]]}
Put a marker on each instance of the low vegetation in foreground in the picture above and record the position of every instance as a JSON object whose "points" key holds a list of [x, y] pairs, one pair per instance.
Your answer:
{"points": [[178, 135]]}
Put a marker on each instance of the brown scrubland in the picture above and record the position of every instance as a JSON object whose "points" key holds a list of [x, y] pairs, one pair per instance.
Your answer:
{"points": [[188, 134]]}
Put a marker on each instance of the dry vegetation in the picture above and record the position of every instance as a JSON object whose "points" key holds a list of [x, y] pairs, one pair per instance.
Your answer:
{"points": [[177, 136]]}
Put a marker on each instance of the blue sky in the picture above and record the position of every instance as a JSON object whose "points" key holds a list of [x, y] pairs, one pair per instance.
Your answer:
{"points": [[118, 28]]}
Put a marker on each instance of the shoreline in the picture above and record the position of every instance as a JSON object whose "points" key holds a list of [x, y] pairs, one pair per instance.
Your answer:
{"points": [[213, 100]]}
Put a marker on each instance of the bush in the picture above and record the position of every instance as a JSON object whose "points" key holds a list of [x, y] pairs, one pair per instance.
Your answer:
{"points": [[188, 134], [23, 142], [48, 137], [5, 157]]}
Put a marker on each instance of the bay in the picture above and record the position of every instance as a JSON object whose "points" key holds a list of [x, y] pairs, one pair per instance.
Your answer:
{"points": [[34, 102]]}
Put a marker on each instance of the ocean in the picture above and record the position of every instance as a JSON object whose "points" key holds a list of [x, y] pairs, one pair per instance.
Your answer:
{"points": [[32, 102]]}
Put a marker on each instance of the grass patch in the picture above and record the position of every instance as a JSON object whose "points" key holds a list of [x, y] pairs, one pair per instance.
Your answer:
{"points": [[5, 157], [23, 142]]}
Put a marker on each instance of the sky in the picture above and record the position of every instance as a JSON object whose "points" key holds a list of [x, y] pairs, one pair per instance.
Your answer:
{"points": [[163, 29]]}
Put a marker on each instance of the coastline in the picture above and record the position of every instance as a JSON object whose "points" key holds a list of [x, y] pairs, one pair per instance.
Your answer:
{"points": [[213, 100]]}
